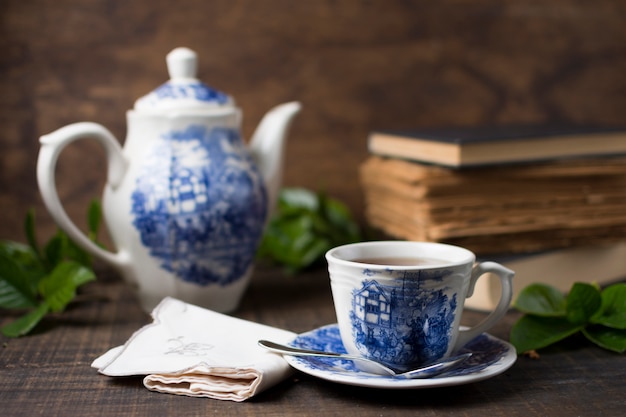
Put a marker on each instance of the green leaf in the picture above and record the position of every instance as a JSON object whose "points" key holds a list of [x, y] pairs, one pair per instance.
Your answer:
{"points": [[341, 227], [27, 275], [15, 285], [29, 230], [534, 332], [582, 301], [12, 296], [73, 252], [94, 219], [541, 300], [607, 338], [27, 260], [26, 323], [612, 312], [54, 249], [59, 288], [304, 228], [293, 242], [61, 248], [21, 253], [309, 252], [298, 198]]}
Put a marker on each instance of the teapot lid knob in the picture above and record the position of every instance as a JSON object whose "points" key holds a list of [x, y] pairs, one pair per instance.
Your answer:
{"points": [[182, 63]]}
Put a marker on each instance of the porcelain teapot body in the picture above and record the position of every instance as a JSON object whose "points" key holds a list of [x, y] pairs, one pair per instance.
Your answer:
{"points": [[186, 201]]}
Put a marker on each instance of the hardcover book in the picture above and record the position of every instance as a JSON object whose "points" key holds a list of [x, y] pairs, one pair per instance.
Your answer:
{"points": [[472, 146]]}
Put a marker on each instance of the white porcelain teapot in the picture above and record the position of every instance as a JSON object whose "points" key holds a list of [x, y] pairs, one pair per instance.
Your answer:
{"points": [[185, 200]]}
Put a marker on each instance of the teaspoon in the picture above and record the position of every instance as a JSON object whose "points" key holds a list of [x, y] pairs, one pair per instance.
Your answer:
{"points": [[426, 371]]}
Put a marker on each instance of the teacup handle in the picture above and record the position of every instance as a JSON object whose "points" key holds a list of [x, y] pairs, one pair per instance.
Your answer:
{"points": [[506, 280], [51, 147]]}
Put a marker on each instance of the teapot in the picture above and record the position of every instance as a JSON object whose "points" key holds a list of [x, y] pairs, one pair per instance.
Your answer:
{"points": [[185, 200]]}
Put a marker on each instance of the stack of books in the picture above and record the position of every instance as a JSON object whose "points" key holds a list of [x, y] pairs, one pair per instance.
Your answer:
{"points": [[522, 194]]}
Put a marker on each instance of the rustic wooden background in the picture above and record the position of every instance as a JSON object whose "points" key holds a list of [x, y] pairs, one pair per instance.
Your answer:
{"points": [[355, 65]]}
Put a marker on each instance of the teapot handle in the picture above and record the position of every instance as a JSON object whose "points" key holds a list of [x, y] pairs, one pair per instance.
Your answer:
{"points": [[51, 147]]}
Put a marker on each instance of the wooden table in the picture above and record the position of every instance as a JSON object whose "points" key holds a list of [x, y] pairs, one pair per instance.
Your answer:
{"points": [[48, 373]]}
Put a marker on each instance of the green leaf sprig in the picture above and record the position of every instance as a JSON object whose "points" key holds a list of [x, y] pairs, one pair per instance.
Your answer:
{"points": [[42, 281], [306, 225], [550, 316]]}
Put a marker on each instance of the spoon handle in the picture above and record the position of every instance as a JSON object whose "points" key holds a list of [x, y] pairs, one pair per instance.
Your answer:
{"points": [[287, 350], [375, 367]]}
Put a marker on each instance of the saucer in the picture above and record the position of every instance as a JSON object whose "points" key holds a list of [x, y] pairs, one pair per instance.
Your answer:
{"points": [[490, 357]]}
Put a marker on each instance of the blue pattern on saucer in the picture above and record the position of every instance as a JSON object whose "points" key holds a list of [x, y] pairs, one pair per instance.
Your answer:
{"points": [[486, 351]]}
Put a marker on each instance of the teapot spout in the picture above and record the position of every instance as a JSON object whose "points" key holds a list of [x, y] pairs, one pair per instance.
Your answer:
{"points": [[267, 147]]}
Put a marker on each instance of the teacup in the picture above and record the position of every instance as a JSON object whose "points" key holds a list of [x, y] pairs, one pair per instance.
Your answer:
{"points": [[400, 303]]}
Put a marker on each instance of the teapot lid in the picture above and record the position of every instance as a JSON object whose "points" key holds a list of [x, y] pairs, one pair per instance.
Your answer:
{"points": [[183, 91]]}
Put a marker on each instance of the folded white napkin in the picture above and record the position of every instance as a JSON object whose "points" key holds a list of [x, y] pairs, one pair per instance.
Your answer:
{"points": [[188, 350]]}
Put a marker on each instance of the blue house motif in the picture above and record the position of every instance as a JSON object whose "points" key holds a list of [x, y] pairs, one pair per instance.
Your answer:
{"points": [[402, 322], [200, 205], [372, 305]]}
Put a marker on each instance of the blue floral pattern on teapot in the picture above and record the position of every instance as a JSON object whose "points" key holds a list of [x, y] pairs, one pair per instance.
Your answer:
{"points": [[200, 205]]}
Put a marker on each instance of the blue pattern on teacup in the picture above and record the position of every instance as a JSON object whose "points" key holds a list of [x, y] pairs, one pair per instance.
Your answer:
{"points": [[200, 205], [402, 322]]}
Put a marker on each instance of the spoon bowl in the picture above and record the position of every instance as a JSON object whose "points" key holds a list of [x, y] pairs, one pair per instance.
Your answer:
{"points": [[426, 371]]}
